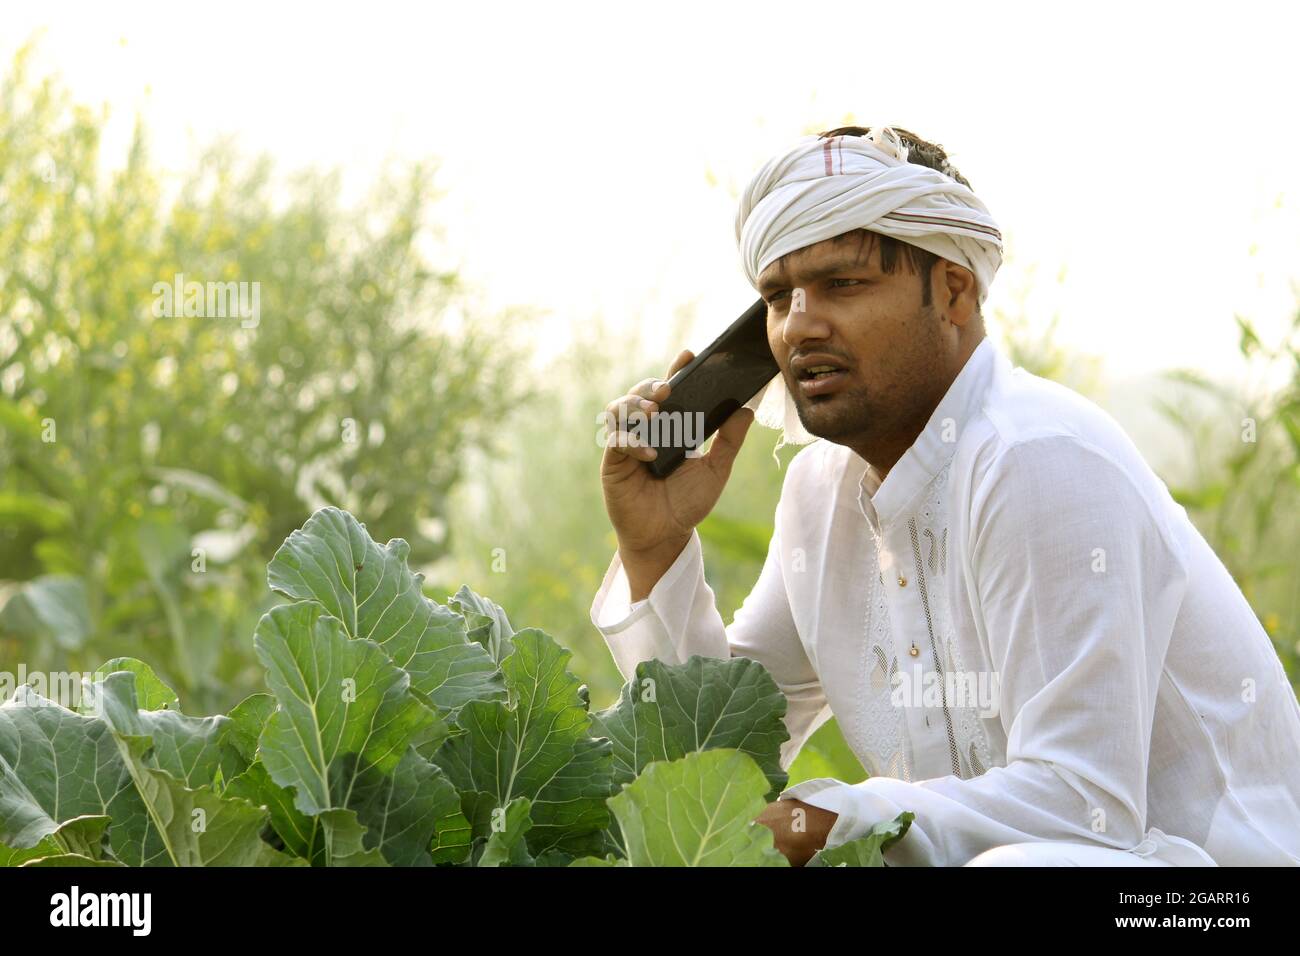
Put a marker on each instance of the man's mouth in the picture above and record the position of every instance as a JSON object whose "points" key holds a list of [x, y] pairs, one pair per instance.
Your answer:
{"points": [[818, 372], [818, 377]]}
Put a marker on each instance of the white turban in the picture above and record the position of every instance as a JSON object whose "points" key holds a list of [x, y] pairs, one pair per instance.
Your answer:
{"points": [[821, 188]]}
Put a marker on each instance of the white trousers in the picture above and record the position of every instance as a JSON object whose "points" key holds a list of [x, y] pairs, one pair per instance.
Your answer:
{"points": [[1158, 849]]}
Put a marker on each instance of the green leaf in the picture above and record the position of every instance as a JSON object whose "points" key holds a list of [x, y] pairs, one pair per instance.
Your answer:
{"points": [[507, 845], [608, 860], [333, 561], [1249, 342], [172, 824], [188, 748], [82, 836], [200, 828], [668, 711], [337, 697], [697, 811], [536, 745], [239, 747], [553, 858], [51, 609], [867, 850], [569, 814], [55, 766], [342, 736], [74, 860], [247, 721], [204, 486], [411, 810], [486, 622], [303, 836], [150, 691], [48, 514], [345, 837], [453, 836]]}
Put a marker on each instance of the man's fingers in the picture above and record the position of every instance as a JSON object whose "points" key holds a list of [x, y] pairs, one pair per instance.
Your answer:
{"points": [[684, 358], [628, 444], [627, 411], [625, 405], [652, 390]]}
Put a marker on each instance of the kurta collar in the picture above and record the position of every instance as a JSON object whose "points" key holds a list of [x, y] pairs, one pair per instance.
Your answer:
{"points": [[882, 502]]}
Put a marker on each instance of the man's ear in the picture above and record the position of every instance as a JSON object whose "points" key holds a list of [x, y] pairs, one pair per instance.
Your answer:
{"points": [[960, 293]]}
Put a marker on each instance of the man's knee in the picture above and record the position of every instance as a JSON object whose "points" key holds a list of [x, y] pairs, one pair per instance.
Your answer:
{"points": [[1049, 853], [1013, 854]]}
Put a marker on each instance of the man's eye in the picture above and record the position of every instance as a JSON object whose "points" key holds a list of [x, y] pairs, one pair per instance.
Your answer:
{"points": [[833, 281], [774, 297]]}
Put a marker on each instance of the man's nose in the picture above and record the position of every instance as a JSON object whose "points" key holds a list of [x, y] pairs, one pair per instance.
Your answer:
{"points": [[804, 322]]}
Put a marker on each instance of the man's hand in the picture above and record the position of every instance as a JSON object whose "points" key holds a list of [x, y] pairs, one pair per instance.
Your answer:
{"points": [[653, 517], [799, 828]]}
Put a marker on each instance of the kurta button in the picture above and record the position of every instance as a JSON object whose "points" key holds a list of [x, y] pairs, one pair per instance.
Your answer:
{"points": [[915, 650], [902, 581]]}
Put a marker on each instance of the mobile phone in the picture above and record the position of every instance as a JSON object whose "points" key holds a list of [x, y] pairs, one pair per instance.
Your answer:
{"points": [[706, 392]]}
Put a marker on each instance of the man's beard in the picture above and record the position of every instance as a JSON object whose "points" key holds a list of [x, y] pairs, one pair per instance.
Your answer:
{"points": [[846, 414], [860, 411]]}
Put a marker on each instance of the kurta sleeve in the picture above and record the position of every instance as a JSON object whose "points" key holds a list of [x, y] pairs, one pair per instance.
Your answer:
{"points": [[1078, 582], [680, 619]]}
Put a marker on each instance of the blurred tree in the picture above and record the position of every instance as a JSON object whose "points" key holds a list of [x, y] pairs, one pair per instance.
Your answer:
{"points": [[132, 434], [1244, 494]]}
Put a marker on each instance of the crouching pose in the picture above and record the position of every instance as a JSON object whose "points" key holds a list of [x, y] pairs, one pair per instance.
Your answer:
{"points": [[1022, 636]]}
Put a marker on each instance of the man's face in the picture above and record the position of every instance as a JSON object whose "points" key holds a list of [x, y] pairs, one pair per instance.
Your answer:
{"points": [[884, 345]]}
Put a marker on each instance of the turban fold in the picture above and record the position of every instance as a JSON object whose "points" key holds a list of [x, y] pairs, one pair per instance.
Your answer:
{"points": [[822, 188]]}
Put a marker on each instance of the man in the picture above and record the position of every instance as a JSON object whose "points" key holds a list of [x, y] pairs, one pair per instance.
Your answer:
{"points": [[1023, 637]]}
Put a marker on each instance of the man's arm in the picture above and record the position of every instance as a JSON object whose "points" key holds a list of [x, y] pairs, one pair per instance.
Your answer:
{"points": [[679, 618], [645, 568], [1078, 585], [659, 567]]}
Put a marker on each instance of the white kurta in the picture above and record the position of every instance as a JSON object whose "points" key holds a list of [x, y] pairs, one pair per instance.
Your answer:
{"points": [[1085, 668]]}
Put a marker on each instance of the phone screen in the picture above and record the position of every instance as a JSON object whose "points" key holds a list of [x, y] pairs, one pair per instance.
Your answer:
{"points": [[706, 392]]}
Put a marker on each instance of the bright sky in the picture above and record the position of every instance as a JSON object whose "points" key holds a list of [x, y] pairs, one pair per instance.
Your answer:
{"points": [[591, 153]]}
